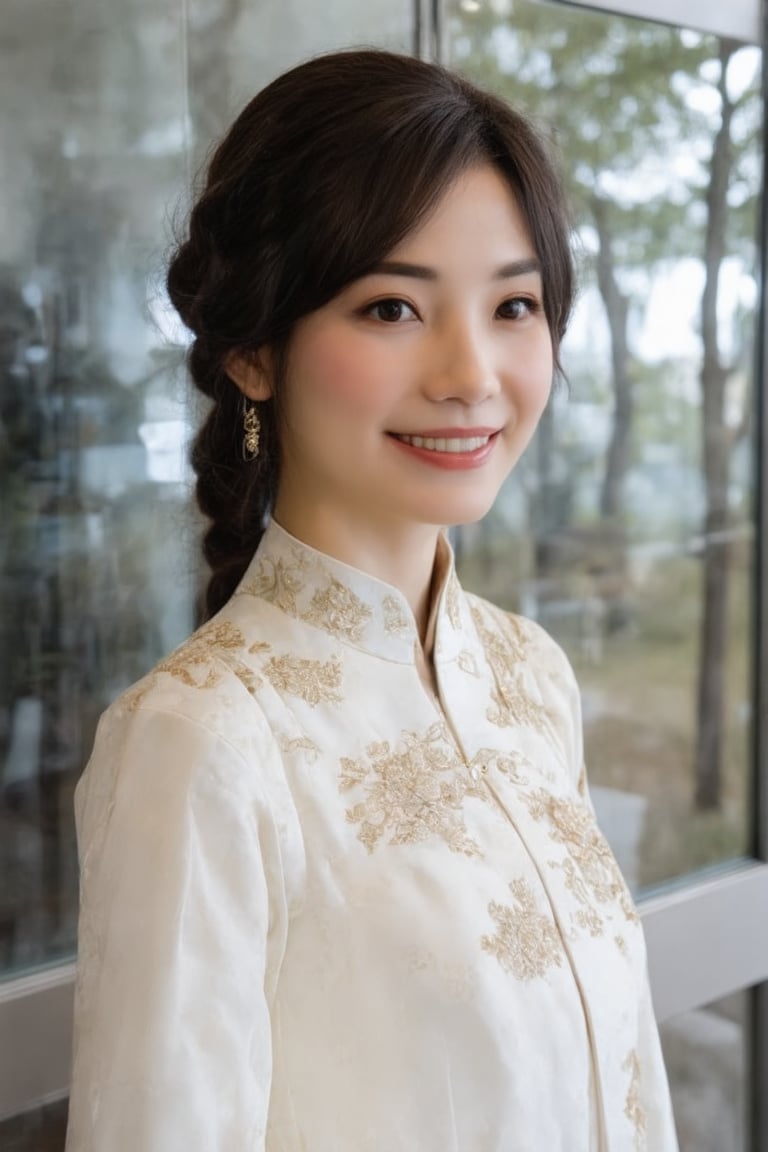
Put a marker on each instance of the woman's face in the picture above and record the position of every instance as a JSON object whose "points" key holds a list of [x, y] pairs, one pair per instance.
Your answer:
{"points": [[411, 395]]}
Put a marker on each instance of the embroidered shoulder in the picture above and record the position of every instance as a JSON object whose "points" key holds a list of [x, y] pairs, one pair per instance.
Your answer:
{"points": [[314, 681], [199, 662], [507, 645]]}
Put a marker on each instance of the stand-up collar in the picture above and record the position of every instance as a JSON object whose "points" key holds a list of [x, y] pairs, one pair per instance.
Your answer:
{"points": [[351, 605]]}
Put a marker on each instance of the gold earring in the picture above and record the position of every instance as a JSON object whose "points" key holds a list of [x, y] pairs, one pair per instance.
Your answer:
{"points": [[252, 429]]}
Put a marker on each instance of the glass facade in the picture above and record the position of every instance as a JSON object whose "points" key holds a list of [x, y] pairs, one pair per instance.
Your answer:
{"points": [[110, 110], [628, 529], [706, 1054]]}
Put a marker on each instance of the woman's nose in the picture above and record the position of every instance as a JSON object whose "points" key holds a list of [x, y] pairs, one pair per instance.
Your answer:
{"points": [[463, 368]]}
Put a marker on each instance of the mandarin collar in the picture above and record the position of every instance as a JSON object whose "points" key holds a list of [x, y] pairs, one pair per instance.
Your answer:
{"points": [[351, 605]]}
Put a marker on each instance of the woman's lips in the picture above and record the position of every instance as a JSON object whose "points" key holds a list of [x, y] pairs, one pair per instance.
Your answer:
{"points": [[445, 449], [446, 444]]}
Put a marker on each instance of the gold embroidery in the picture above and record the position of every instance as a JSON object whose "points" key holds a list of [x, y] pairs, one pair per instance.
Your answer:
{"points": [[278, 583], [395, 619], [412, 793], [313, 681], [290, 745], [633, 1108], [513, 706], [621, 944], [339, 611], [468, 663], [503, 646], [581, 785], [591, 871], [526, 943], [247, 677], [452, 601], [505, 651], [511, 765], [217, 638], [591, 921]]}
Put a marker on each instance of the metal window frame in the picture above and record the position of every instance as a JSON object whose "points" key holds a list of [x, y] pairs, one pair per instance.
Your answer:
{"points": [[739, 19]]}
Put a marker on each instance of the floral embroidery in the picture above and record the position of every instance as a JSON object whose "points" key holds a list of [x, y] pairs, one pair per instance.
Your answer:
{"points": [[339, 611], [506, 653], [313, 681], [512, 765], [589, 920], [412, 793], [290, 745], [506, 645], [513, 706], [581, 784], [453, 601], [591, 872], [278, 583], [633, 1108], [468, 663], [526, 943], [621, 944], [395, 619], [219, 638]]}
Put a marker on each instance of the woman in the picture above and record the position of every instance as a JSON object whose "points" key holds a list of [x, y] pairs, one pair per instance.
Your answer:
{"points": [[342, 885]]}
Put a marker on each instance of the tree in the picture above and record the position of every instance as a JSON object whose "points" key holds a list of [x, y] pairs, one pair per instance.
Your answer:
{"points": [[715, 462], [622, 97]]}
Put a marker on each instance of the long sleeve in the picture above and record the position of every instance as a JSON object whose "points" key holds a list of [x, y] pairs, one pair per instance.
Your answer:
{"points": [[172, 1031]]}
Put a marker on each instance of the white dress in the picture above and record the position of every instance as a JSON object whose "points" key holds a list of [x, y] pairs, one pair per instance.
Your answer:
{"points": [[323, 911]]}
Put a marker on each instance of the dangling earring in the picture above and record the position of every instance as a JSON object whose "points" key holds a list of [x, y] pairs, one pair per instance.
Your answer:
{"points": [[251, 429]]}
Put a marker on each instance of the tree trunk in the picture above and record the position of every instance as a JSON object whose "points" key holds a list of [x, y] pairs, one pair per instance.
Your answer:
{"points": [[617, 311], [715, 464], [544, 506]]}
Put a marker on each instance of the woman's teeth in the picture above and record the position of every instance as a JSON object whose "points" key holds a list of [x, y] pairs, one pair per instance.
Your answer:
{"points": [[444, 444]]}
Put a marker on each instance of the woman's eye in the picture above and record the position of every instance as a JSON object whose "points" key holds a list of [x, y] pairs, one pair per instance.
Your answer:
{"points": [[390, 311], [518, 308]]}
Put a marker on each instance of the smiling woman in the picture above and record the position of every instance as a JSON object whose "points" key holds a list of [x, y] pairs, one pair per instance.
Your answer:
{"points": [[342, 884], [435, 365]]}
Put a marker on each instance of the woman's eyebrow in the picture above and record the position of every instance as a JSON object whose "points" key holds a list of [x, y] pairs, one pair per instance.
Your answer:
{"points": [[423, 272], [518, 268]]}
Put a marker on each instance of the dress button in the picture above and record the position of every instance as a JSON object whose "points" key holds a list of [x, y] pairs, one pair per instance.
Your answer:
{"points": [[474, 773]]}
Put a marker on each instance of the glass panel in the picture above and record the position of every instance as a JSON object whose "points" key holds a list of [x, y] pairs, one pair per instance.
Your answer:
{"points": [[109, 106], [627, 530], [41, 1130], [706, 1057]]}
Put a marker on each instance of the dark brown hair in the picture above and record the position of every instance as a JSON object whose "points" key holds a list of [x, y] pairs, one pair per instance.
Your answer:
{"points": [[321, 175]]}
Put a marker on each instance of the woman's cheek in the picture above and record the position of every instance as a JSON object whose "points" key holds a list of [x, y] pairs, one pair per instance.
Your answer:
{"points": [[347, 372]]}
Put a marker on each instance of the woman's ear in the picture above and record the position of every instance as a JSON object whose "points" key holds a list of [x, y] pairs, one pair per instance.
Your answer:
{"points": [[251, 372]]}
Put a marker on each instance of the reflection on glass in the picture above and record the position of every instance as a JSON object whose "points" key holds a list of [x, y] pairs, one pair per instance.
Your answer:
{"points": [[41, 1130], [108, 108], [705, 1052], [627, 530]]}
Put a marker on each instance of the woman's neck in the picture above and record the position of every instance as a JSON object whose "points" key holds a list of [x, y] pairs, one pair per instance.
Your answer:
{"points": [[404, 559]]}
